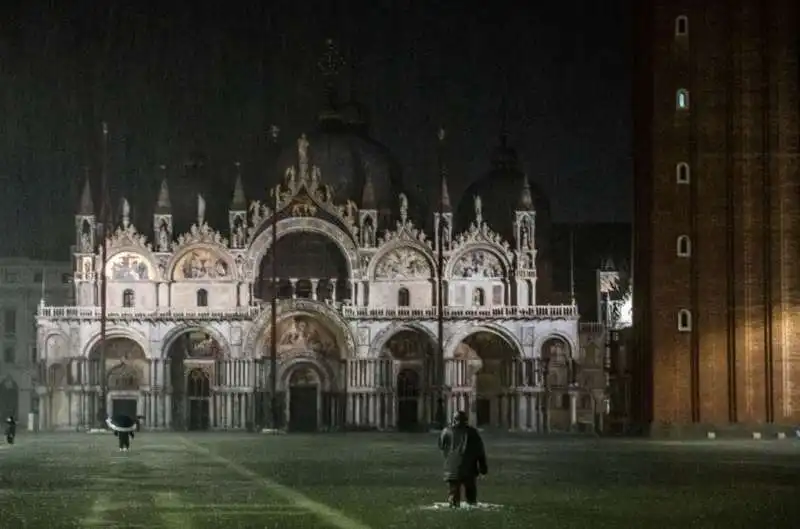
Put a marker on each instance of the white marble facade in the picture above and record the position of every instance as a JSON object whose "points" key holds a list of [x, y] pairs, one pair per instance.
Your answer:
{"points": [[188, 324]]}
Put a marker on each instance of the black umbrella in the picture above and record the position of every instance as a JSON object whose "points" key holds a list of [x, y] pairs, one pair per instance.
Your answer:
{"points": [[121, 423]]}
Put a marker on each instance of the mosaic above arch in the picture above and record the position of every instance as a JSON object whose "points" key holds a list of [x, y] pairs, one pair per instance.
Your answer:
{"points": [[202, 263], [129, 266], [403, 262], [479, 263]]}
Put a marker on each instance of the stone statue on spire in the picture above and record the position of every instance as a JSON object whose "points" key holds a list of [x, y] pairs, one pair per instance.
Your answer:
{"points": [[302, 156]]}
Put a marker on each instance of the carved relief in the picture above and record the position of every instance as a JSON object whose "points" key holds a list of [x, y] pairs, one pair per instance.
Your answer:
{"points": [[56, 347], [129, 266], [478, 264], [363, 336], [124, 377], [199, 345], [203, 234], [201, 264], [302, 334], [403, 263]]}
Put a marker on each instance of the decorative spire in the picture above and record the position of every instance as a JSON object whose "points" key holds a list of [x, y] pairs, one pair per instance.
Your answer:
{"points": [[126, 213], [201, 210], [239, 203], [368, 194], [403, 208], [478, 211], [87, 205], [163, 205], [525, 199]]}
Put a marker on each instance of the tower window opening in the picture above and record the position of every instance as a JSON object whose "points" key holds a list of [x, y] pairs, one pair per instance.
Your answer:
{"points": [[684, 248], [682, 26], [682, 99], [682, 173], [684, 320]]}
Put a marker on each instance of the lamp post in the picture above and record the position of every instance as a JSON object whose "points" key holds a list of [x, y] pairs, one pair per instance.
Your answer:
{"points": [[273, 357]]}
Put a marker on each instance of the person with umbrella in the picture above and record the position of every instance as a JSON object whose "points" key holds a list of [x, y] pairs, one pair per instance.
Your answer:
{"points": [[123, 427], [11, 430]]}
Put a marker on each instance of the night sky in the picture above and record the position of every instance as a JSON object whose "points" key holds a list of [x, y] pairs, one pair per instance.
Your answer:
{"points": [[172, 81]]}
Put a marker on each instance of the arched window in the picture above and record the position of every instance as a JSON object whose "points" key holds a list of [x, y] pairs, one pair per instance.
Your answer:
{"points": [[202, 298], [128, 298], [684, 248], [403, 297], [478, 297], [684, 320], [682, 173], [681, 26], [682, 99]]}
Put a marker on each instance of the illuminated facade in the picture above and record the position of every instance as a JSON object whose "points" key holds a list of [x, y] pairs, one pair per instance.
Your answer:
{"points": [[188, 333], [717, 215]]}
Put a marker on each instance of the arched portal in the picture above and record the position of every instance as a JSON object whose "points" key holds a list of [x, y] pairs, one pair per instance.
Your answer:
{"points": [[125, 369], [9, 399], [559, 370], [192, 359], [308, 265], [310, 362], [494, 357], [412, 352], [198, 395], [304, 399]]}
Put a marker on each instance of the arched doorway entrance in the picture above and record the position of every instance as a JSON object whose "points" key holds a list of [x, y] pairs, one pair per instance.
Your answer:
{"points": [[125, 368], [560, 397], [412, 352], [198, 397], [310, 360], [409, 391], [493, 356], [304, 396], [9, 399], [308, 265], [193, 358]]}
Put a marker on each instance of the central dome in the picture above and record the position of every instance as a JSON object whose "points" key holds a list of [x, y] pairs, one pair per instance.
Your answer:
{"points": [[348, 158]]}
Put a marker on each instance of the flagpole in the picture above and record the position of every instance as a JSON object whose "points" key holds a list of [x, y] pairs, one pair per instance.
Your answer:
{"points": [[273, 357], [440, 419], [104, 228]]}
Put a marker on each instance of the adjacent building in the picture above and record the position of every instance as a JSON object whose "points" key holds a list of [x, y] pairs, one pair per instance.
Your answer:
{"points": [[717, 214], [24, 285]]}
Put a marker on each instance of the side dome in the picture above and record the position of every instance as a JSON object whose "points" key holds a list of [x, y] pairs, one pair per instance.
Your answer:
{"points": [[347, 157], [500, 191]]}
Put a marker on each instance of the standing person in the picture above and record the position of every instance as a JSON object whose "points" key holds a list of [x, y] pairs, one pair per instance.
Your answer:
{"points": [[464, 459], [124, 440], [11, 430]]}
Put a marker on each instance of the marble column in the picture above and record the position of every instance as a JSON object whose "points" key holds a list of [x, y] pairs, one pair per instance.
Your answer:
{"points": [[314, 286], [293, 282], [333, 290]]}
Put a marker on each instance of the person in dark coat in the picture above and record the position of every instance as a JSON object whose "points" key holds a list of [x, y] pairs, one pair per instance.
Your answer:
{"points": [[464, 460], [11, 430], [124, 440]]}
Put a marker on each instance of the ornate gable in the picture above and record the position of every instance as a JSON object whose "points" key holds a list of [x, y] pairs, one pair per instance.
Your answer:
{"points": [[200, 235], [128, 238], [405, 231], [482, 235], [303, 194]]}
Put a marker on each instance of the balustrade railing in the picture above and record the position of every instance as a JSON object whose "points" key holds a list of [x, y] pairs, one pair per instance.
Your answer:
{"points": [[348, 311]]}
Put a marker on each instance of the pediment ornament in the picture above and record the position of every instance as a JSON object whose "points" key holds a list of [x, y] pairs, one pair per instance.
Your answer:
{"points": [[200, 235], [128, 237]]}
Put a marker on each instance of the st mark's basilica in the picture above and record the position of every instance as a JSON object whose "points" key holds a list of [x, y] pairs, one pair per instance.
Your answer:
{"points": [[188, 317]]}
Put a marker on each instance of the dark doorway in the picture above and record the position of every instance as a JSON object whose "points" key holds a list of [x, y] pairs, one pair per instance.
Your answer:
{"points": [[408, 388], [483, 412], [124, 407], [303, 409], [198, 394]]}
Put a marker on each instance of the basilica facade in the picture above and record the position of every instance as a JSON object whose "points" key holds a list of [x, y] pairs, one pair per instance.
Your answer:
{"points": [[188, 319]]}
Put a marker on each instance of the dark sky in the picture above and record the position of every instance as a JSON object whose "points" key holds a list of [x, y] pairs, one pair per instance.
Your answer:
{"points": [[171, 80]]}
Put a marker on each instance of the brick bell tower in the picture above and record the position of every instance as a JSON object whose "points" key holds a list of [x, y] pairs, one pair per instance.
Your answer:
{"points": [[717, 214]]}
